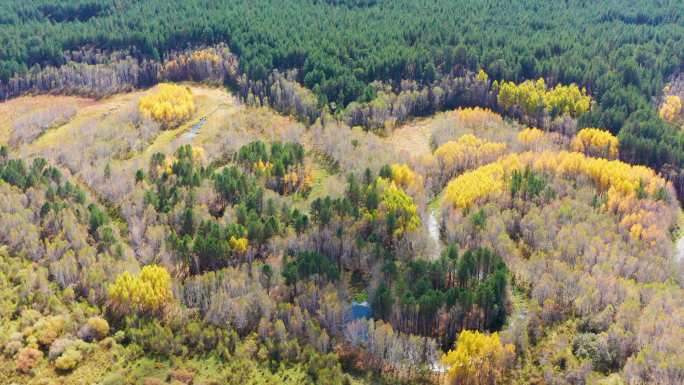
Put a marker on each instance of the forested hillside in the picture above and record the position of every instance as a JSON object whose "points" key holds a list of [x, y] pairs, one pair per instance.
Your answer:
{"points": [[341, 192], [623, 52]]}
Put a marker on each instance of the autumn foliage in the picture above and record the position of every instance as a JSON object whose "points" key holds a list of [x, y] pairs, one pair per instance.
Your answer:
{"points": [[533, 97], [170, 105], [399, 208], [28, 358], [465, 153], [470, 186], [671, 108], [478, 359], [147, 293], [613, 176], [530, 136], [596, 142], [403, 176], [477, 118]]}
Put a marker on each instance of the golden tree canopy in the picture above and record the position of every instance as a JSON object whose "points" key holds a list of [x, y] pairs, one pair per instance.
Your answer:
{"points": [[671, 108], [403, 176], [532, 96], [148, 292], [397, 203], [619, 179], [596, 142], [478, 359], [466, 151], [171, 105]]}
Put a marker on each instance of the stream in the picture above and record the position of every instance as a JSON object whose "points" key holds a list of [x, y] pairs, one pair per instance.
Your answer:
{"points": [[433, 232], [195, 129]]}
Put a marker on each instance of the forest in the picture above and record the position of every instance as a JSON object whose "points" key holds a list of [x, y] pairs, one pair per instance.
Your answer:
{"points": [[346, 52], [341, 192]]}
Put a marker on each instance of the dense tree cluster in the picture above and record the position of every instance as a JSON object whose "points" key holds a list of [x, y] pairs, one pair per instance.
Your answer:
{"points": [[562, 218], [470, 186], [617, 178], [280, 164], [569, 259], [596, 142], [170, 105], [198, 236], [533, 98], [440, 298], [671, 108], [45, 216], [381, 63], [465, 153], [478, 359], [147, 293], [241, 251], [98, 73]]}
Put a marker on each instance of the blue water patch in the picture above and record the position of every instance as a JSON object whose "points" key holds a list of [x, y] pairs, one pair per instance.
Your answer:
{"points": [[361, 310], [195, 129]]}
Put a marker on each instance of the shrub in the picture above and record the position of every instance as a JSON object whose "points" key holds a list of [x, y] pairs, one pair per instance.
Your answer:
{"points": [[68, 360], [48, 329], [28, 359], [113, 379], [95, 328], [58, 347], [12, 347], [182, 376]]}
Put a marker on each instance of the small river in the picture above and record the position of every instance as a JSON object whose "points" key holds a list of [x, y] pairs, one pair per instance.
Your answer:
{"points": [[194, 130], [433, 232]]}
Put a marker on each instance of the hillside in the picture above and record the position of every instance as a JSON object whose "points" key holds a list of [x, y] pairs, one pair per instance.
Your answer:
{"points": [[219, 242], [375, 63]]}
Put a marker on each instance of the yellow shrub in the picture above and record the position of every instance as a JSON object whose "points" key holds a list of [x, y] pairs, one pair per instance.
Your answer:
{"points": [[171, 105], [596, 142], [68, 360], [238, 245], [99, 327], [48, 329]]}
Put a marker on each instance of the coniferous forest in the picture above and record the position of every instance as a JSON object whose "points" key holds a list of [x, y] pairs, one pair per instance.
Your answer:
{"points": [[341, 192]]}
